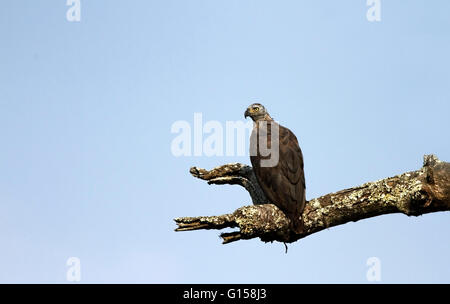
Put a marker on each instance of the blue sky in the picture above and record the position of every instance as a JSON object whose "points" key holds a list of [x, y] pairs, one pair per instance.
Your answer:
{"points": [[86, 110]]}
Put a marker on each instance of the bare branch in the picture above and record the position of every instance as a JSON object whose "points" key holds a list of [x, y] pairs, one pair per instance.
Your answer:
{"points": [[233, 174], [412, 193]]}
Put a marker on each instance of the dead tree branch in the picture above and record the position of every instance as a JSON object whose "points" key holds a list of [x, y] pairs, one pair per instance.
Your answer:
{"points": [[413, 193]]}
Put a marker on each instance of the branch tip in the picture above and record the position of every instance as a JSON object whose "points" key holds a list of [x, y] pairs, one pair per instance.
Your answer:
{"points": [[429, 160]]}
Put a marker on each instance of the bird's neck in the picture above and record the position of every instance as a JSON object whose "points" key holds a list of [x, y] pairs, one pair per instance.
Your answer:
{"points": [[266, 117]]}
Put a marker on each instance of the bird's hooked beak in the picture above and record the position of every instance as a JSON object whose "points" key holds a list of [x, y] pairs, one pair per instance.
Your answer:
{"points": [[247, 113]]}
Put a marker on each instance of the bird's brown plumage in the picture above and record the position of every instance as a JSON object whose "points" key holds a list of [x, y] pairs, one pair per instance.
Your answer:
{"points": [[284, 183]]}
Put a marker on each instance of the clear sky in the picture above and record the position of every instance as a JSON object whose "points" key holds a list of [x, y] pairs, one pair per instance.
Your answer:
{"points": [[86, 110]]}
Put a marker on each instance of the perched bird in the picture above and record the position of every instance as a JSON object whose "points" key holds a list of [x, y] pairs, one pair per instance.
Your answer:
{"points": [[282, 181]]}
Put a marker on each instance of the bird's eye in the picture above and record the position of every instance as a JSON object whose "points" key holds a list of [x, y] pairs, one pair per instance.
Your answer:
{"points": [[256, 109]]}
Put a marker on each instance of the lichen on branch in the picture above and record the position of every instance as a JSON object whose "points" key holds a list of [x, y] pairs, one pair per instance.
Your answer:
{"points": [[413, 193]]}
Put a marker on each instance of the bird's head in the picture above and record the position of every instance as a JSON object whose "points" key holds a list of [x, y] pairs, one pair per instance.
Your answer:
{"points": [[256, 112]]}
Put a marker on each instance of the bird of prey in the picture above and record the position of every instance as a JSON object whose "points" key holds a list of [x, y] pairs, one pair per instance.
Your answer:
{"points": [[282, 181]]}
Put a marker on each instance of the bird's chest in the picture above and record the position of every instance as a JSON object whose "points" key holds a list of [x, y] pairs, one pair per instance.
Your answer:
{"points": [[261, 142], [261, 133]]}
